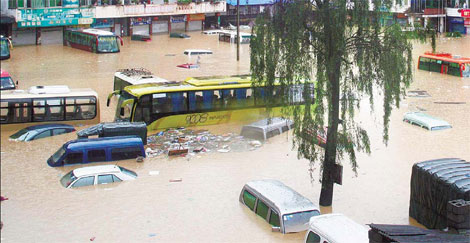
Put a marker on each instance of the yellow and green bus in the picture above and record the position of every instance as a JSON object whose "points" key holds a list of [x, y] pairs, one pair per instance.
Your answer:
{"points": [[199, 101]]}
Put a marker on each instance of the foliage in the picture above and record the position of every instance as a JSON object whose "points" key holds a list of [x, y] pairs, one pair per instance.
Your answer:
{"points": [[453, 34], [341, 49]]}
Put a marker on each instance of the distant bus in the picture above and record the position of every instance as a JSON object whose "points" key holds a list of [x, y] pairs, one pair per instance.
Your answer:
{"points": [[445, 63], [5, 46], [48, 104], [231, 37], [198, 101], [94, 40]]}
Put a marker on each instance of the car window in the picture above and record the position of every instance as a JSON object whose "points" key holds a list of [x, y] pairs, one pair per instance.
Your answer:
{"points": [[43, 135], [126, 153], [74, 158], [312, 238], [59, 131], [116, 179], [96, 155], [274, 219], [86, 181], [105, 179], [262, 209], [249, 199]]}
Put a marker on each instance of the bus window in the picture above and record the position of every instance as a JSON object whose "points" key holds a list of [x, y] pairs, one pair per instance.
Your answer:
{"points": [[250, 99], [466, 70], [424, 63], [54, 109], [80, 108], [435, 65], [3, 111], [161, 103], [227, 98], [178, 101], [208, 96], [142, 111], [39, 110], [454, 69], [240, 98], [260, 98], [21, 111]]}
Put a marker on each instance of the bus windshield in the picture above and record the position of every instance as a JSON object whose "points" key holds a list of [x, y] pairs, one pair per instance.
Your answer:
{"points": [[4, 48], [124, 107], [107, 44]]}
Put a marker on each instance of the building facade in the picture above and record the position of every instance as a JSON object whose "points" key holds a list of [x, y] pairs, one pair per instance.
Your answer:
{"points": [[43, 21]]}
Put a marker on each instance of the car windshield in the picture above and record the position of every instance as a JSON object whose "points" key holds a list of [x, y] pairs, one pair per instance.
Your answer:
{"points": [[128, 172], [108, 44], [7, 83], [67, 179], [23, 134], [296, 222], [57, 155]]}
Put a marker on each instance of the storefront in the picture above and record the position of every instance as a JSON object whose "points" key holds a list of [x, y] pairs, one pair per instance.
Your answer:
{"points": [[141, 25], [51, 35], [195, 22], [457, 25], [160, 24], [178, 23]]}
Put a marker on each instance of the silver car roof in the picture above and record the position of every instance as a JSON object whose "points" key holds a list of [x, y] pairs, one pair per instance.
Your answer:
{"points": [[426, 120], [274, 123], [283, 197]]}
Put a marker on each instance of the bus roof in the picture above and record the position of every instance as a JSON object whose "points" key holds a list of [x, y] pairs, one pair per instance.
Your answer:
{"points": [[141, 78], [191, 84], [96, 32], [18, 94], [446, 57]]}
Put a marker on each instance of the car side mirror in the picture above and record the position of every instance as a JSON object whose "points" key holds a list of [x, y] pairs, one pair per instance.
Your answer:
{"points": [[276, 229], [121, 112]]}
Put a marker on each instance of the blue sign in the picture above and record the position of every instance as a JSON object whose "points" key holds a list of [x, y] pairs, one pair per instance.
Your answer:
{"points": [[141, 21], [45, 17], [70, 3], [103, 23]]}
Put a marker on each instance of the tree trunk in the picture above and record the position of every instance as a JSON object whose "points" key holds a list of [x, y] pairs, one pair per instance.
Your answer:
{"points": [[333, 70]]}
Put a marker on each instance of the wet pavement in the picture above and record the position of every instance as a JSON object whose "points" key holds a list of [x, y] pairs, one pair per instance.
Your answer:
{"points": [[176, 199]]}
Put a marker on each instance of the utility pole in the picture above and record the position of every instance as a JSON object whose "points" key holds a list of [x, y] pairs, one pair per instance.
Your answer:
{"points": [[238, 30]]}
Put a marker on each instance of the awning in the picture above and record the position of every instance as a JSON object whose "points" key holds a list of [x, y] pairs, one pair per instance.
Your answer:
{"points": [[5, 19]]}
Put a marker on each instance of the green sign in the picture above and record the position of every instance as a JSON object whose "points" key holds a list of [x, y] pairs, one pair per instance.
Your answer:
{"points": [[47, 17]]}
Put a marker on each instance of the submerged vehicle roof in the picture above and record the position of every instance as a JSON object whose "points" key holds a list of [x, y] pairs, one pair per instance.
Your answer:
{"points": [[425, 120], [338, 228], [191, 84], [47, 91], [446, 57], [285, 198], [99, 169], [270, 124], [79, 144]]}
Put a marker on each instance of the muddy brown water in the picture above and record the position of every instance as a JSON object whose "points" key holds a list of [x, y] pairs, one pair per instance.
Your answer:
{"points": [[204, 206]]}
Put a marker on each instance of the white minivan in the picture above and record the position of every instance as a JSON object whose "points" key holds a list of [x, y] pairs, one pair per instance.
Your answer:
{"points": [[335, 228], [282, 207]]}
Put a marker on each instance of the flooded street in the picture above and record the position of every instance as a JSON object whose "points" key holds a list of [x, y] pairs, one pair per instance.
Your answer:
{"points": [[204, 206]]}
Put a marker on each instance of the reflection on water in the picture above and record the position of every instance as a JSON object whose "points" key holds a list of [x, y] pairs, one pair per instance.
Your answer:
{"points": [[204, 205]]}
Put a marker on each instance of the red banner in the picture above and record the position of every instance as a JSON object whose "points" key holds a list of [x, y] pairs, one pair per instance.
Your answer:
{"points": [[465, 13], [466, 22], [196, 17]]}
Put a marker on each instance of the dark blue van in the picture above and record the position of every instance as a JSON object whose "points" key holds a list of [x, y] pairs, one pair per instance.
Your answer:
{"points": [[82, 151]]}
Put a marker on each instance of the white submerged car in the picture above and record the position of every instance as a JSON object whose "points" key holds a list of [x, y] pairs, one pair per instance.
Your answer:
{"points": [[95, 175]]}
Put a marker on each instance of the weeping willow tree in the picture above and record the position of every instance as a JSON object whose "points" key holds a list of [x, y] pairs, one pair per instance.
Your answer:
{"points": [[335, 52]]}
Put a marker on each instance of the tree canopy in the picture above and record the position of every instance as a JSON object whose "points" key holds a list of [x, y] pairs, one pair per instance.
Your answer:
{"points": [[339, 48]]}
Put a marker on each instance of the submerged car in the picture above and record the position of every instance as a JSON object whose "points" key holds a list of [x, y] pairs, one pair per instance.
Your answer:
{"points": [[179, 35], [335, 228], [96, 175], [6, 81], [282, 207], [426, 121], [41, 131]]}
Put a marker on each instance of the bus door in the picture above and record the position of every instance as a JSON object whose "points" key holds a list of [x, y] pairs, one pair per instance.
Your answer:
{"points": [[444, 67]]}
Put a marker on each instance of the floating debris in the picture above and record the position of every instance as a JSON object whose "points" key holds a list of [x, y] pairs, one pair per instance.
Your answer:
{"points": [[187, 142], [176, 180], [418, 93], [450, 102], [154, 172]]}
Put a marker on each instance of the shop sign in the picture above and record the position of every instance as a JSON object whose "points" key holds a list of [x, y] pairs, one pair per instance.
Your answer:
{"points": [[465, 13], [196, 17], [103, 23], [178, 19], [141, 21], [48, 17]]}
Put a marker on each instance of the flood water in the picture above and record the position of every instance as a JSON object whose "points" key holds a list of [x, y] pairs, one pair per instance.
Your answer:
{"points": [[204, 206]]}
